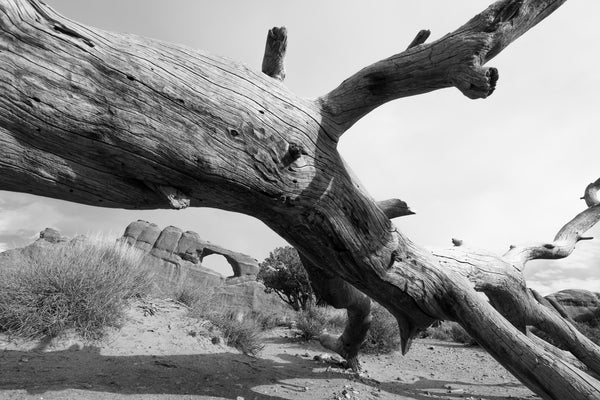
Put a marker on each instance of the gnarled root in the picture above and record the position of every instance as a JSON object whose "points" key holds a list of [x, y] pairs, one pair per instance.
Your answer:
{"points": [[346, 350]]}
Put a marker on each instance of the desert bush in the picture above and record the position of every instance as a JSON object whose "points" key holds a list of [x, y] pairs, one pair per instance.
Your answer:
{"points": [[188, 295], [450, 332], [83, 286], [316, 319], [336, 319], [268, 320], [590, 329], [240, 331], [312, 322], [384, 335]]}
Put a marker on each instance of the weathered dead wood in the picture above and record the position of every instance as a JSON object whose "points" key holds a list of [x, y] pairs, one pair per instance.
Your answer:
{"points": [[394, 208], [421, 37], [112, 120], [502, 280], [340, 294], [456, 60], [565, 240], [275, 49]]}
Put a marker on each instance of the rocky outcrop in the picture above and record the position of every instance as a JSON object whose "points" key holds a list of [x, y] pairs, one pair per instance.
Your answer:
{"points": [[52, 235], [577, 304], [172, 244], [14, 258], [176, 258]]}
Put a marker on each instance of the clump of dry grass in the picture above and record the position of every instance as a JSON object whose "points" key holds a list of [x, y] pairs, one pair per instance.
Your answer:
{"points": [[240, 331], [312, 322], [83, 285], [316, 319], [591, 329], [188, 295], [449, 331]]}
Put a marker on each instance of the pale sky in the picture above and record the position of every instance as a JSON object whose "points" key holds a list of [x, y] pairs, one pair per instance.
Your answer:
{"points": [[506, 170]]}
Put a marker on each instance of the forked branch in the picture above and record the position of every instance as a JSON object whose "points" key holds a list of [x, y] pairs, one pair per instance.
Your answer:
{"points": [[567, 237], [456, 60]]}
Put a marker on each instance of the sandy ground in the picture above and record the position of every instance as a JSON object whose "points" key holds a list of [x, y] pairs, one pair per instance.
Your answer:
{"points": [[167, 356]]}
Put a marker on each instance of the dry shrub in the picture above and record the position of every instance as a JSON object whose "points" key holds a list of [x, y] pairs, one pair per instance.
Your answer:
{"points": [[83, 285], [384, 335], [450, 332], [268, 320], [591, 329], [312, 322], [188, 295], [241, 331], [336, 319]]}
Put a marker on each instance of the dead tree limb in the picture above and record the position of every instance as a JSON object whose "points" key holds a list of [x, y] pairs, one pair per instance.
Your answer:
{"points": [[275, 49], [112, 120], [502, 280]]}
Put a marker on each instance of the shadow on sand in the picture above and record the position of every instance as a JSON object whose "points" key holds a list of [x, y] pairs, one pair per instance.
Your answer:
{"points": [[225, 375]]}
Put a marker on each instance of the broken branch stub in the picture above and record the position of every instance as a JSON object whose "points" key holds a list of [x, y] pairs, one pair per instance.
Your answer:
{"points": [[275, 49]]}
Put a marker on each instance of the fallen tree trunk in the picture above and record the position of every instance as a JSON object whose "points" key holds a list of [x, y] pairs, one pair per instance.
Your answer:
{"points": [[121, 121]]}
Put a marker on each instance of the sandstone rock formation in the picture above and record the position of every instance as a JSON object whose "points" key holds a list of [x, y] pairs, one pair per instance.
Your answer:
{"points": [[172, 244], [577, 304], [176, 258], [12, 258], [52, 235]]}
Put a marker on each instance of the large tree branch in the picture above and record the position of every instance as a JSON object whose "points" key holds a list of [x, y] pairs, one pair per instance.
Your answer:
{"points": [[455, 60], [502, 280]]}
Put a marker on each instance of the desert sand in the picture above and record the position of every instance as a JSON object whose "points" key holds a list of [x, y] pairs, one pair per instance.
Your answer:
{"points": [[160, 353]]}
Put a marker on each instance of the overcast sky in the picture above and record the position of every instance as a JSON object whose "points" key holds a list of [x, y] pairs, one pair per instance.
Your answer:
{"points": [[506, 170]]}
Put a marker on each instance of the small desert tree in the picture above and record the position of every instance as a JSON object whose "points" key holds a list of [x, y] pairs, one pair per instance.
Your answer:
{"points": [[282, 272]]}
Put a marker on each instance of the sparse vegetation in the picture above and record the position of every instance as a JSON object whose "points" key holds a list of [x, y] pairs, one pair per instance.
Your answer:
{"points": [[312, 322], [449, 331], [268, 320], [316, 319], [83, 286], [239, 330], [591, 329], [383, 336], [188, 295]]}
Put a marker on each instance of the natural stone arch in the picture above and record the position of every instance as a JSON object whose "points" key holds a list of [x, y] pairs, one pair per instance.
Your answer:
{"points": [[220, 264]]}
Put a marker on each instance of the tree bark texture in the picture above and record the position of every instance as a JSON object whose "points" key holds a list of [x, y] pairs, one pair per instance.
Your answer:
{"points": [[121, 121]]}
